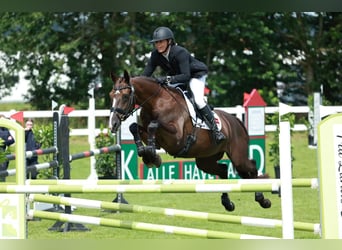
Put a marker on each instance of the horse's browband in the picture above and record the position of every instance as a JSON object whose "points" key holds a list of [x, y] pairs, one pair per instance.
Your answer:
{"points": [[121, 88]]}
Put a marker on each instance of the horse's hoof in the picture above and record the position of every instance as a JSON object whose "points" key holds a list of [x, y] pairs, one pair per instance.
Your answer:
{"points": [[157, 161], [147, 161], [149, 165], [228, 205], [265, 203]]}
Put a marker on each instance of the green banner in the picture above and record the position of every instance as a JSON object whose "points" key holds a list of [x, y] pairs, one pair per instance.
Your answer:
{"points": [[186, 170], [129, 161]]}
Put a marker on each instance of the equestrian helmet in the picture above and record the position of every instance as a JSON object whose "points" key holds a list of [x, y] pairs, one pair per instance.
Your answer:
{"points": [[162, 33]]}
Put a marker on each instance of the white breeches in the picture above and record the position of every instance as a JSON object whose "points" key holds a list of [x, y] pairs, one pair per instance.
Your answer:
{"points": [[197, 88]]}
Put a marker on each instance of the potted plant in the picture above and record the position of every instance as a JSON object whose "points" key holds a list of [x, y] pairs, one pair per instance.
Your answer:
{"points": [[273, 152], [44, 135], [105, 163]]}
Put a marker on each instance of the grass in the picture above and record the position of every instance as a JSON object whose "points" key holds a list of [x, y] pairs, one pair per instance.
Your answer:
{"points": [[306, 205]]}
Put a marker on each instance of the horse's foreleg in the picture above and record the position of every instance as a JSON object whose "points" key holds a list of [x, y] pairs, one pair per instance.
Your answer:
{"points": [[227, 203], [151, 130], [148, 152], [151, 143], [134, 129]]}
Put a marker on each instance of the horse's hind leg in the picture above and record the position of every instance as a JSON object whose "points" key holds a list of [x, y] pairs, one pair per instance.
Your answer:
{"points": [[259, 196], [211, 166]]}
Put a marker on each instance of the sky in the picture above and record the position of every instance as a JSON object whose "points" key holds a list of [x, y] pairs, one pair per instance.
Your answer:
{"points": [[17, 91]]}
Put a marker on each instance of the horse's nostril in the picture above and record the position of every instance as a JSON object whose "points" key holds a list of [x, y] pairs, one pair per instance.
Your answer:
{"points": [[114, 125]]}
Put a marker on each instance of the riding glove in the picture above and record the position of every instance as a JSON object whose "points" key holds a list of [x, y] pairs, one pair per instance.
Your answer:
{"points": [[163, 80]]}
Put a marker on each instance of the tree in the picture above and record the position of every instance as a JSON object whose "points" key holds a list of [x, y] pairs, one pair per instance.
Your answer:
{"points": [[65, 54], [312, 43]]}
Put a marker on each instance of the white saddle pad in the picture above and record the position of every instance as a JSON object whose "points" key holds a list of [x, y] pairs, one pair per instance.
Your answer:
{"points": [[197, 121]]}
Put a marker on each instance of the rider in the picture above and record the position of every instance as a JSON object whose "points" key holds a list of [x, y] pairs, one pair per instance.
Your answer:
{"points": [[182, 69]]}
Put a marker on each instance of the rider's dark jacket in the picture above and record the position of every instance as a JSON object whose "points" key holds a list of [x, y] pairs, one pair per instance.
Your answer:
{"points": [[7, 138], [181, 66]]}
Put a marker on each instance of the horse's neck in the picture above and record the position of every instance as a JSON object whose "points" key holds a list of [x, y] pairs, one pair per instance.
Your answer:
{"points": [[146, 91], [150, 93]]}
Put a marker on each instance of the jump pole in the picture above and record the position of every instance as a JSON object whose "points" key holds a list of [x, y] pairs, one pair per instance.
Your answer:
{"points": [[45, 165], [202, 233], [215, 217], [95, 151], [39, 166], [162, 188], [299, 182], [30, 154]]}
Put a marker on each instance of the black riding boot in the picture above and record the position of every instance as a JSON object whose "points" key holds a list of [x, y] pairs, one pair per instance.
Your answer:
{"points": [[209, 119]]}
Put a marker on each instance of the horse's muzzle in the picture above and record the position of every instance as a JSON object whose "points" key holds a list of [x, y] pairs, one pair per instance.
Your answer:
{"points": [[114, 122]]}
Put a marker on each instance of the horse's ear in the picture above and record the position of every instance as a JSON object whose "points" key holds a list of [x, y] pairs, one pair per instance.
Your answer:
{"points": [[113, 77], [126, 76]]}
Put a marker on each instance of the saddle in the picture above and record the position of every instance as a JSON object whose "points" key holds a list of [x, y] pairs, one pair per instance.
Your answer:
{"points": [[196, 118]]}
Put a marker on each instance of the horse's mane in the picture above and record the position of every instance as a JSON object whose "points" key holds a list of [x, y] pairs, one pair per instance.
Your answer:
{"points": [[154, 81], [148, 78]]}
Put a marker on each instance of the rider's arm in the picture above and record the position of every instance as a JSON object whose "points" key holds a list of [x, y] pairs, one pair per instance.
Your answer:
{"points": [[151, 65]]}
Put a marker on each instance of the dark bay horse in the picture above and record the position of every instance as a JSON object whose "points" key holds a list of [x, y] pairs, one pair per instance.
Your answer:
{"points": [[165, 122]]}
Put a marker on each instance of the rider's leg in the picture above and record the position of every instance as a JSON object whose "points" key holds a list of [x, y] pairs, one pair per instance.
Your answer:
{"points": [[210, 121], [197, 88]]}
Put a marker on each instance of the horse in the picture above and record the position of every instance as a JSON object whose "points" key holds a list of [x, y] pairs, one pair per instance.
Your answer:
{"points": [[165, 122]]}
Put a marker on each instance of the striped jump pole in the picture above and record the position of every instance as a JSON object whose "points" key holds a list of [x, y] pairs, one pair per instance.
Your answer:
{"points": [[300, 182], [162, 188], [30, 154], [194, 232], [215, 217], [39, 166], [104, 150]]}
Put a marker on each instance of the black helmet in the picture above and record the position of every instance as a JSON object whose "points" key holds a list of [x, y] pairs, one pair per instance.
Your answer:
{"points": [[162, 33]]}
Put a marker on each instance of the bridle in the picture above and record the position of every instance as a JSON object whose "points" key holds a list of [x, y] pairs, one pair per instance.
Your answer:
{"points": [[124, 114]]}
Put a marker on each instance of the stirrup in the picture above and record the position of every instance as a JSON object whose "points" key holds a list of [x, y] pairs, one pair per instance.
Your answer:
{"points": [[218, 136]]}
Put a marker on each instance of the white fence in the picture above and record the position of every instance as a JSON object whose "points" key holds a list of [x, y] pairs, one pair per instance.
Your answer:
{"points": [[239, 111]]}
